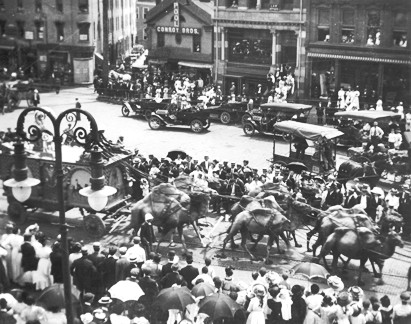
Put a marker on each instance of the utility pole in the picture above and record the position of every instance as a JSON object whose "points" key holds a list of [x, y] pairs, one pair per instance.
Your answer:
{"points": [[106, 53]]}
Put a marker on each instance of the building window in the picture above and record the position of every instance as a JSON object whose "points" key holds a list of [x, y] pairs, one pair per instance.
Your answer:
{"points": [[145, 10], [400, 29], [39, 6], [138, 13], [323, 29], [373, 28], [83, 5], [2, 8], [39, 29], [252, 4], [59, 5], [2, 27], [197, 43], [145, 36], [60, 31], [99, 30], [232, 4], [161, 40], [287, 4], [19, 5], [347, 29], [178, 39], [122, 23], [20, 28], [83, 31], [265, 4]]}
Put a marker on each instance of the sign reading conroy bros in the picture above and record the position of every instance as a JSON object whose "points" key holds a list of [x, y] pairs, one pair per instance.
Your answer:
{"points": [[179, 30]]}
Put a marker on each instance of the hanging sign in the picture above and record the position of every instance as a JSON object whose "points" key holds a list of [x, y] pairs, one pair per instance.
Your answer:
{"points": [[179, 30], [176, 13]]}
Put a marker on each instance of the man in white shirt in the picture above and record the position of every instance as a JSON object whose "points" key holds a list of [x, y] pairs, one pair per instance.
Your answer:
{"points": [[376, 134], [315, 299], [255, 183], [400, 110], [137, 251], [204, 275]]}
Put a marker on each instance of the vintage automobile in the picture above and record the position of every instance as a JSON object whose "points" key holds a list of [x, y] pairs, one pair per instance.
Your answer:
{"points": [[263, 118], [197, 119], [143, 107], [17, 91], [229, 111]]}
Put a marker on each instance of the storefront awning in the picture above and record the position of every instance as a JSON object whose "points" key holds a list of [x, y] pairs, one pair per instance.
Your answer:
{"points": [[196, 65], [359, 58]]}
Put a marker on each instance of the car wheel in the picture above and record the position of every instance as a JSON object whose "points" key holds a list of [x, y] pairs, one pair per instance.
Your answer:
{"points": [[207, 124], [196, 125], [245, 118], [154, 123], [225, 117], [249, 129], [30, 103], [125, 111], [147, 114]]}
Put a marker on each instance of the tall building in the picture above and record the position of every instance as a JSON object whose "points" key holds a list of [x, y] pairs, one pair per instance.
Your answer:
{"points": [[255, 37], [142, 8], [359, 44], [61, 36]]}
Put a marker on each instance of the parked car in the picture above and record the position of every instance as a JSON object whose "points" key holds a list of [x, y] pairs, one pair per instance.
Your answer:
{"points": [[228, 112], [143, 107]]}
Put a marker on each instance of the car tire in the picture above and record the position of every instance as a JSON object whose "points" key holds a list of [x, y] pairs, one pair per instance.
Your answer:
{"points": [[125, 111], [154, 123], [249, 129], [225, 117], [245, 118], [147, 114], [196, 126]]}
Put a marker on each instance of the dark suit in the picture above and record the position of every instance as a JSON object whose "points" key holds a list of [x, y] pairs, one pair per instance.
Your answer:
{"points": [[147, 236], [83, 272], [371, 208], [121, 266], [350, 201], [107, 268], [166, 269], [87, 308], [7, 318], [28, 259], [404, 209], [56, 266], [170, 279], [98, 287], [205, 165], [189, 273], [130, 267], [334, 198], [148, 284], [96, 258]]}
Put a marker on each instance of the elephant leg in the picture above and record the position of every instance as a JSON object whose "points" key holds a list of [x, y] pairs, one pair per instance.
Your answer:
{"points": [[334, 264], [296, 244], [345, 264], [233, 245], [229, 237], [287, 242], [183, 240], [269, 244], [317, 243], [164, 233], [309, 236], [360, 271], [259, 238], [244, 235]]}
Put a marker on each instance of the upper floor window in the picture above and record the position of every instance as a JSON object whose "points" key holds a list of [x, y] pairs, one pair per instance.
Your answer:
{"points": [[138, 13], [232, 4], [161, 39], [60, 31], [145, 10], [59, 5], [252, 4], [348, 26], [287, 4], [400, 36], [19, 5], [83, 5], [2, 8], [38, 5], [145, 36], [20, 28], [373, 28], [197, 43], [83, 31], [39, 29], [2, 27], [323, 29]]}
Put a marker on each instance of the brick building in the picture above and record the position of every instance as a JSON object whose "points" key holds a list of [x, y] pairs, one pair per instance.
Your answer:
{"points": [[142, 8]]}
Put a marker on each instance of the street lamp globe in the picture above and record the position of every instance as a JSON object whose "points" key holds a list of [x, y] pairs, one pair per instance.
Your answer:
{"points": [[97, 194]]}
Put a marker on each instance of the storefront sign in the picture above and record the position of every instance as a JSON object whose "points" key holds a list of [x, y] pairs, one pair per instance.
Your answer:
{"points": [[29, 35], [179, 30], [176, 13]]}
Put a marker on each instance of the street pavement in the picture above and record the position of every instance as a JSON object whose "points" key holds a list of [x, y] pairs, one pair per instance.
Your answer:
{"points": [[223, 142]]}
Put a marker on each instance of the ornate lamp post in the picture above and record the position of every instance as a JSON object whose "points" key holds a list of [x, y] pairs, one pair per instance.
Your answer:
{"points": [[97, 194]]}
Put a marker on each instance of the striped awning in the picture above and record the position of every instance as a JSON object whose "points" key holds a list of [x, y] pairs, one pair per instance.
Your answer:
{"points": [[359, 58]]}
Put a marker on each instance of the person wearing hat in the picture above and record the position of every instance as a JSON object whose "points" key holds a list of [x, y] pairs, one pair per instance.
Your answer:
{"points": [[334, 195], [137, 251], [87, 307], [402, 312], [100, 316], [122, 264], [78, 106], [257, 305], [393, 199], [335, 285], [172, 278], [344, 310], [205, 164], [97, 257], [36, 98], [107, 268], [132, 266], [189, 272], [367, 202], [147, 284], [147, 233], [172, 259], [404, 208], [376, 134], [83, 272], [351, 197]]}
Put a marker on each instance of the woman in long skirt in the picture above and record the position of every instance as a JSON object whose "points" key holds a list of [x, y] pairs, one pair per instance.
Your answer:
{"points": [[4, 243], [257, 306], [15, 240], [42, 278]]}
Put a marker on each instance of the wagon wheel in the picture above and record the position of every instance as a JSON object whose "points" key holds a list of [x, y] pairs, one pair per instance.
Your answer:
{"points": [[360, 159], [30, 103], [94, 226], [11, 105], [17, 212]]}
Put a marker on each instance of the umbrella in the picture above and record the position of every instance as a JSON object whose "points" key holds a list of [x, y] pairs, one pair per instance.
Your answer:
{"points": [[202, 289], [175, 298], [297, 167], [219, 306], [53, 296], [126, 290], [310, 270], [174, 153]]}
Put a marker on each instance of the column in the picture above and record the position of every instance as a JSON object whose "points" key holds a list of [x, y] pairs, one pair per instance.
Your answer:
{"points": [[222, 32], [274, 47], [298, 54]]}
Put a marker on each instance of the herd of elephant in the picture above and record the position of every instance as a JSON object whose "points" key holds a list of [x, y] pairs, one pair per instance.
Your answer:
{"points": [[271, 210]]}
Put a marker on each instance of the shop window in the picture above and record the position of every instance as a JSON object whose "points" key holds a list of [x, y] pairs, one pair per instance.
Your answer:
{"points": [[20, 28], [178, 39], [38, 5], [348, 26], [197, 43], [59, 5], [287, 4], [400, 27], [145, 10], [83, 6], [83, 31], [2, 28], [145, 36], [161, 39], [60, 31], [19, 5], [323, 29], [373, 28], [39, 30], [232, 4]]}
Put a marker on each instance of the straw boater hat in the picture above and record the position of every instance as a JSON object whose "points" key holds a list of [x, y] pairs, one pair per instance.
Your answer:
{"points": [[344, 299], [356, 292], [335, 283]]}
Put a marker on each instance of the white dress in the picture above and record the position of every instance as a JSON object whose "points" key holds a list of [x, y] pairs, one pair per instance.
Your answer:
{"points": [[7, 247], [256, 311], [42, 277], [379, 105], [15, 241]]}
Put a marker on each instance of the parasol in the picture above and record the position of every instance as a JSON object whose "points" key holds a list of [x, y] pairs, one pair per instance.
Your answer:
{"points": [[175, 298], [53, 296], [202, 289], [174, 153], [126, 290], [297, 167], [219, 306], [310, 270]]}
